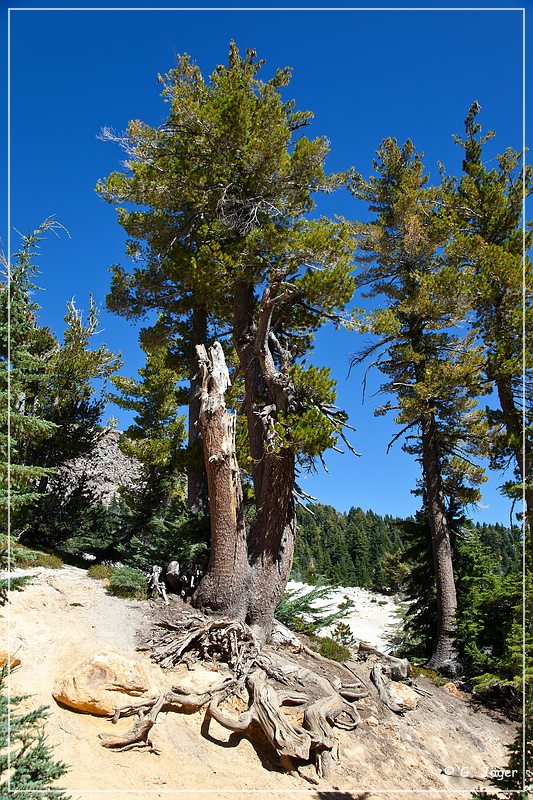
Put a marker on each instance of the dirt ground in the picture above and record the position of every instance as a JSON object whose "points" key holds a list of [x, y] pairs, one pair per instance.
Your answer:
{"points": [[64, 616]]}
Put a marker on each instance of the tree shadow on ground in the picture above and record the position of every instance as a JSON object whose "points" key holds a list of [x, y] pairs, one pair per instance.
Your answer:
{"points": [[331, 795], [267, 756]]}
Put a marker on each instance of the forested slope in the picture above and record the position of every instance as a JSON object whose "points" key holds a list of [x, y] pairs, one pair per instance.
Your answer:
{"points": [[362, 548]]}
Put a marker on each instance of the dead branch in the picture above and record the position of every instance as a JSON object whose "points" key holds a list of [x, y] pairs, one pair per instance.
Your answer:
{"points": [[376, 675]]}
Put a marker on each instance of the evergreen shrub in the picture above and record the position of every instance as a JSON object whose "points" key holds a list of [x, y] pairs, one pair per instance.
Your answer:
{"points": [[128, 582], [329, 648], [101, 571], [23, 747]]}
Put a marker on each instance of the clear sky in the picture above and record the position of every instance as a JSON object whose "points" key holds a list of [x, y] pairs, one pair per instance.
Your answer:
{"points": [[366, 74]]}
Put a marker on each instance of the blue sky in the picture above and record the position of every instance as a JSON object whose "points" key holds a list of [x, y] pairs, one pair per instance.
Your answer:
{"points": [[366, 75]]}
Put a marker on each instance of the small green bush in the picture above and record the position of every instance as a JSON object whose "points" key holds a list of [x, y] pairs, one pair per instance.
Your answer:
{"points": [[100, 571], [301, 625], [49, 560], [342, 633], [128, 582], [329, 648]]}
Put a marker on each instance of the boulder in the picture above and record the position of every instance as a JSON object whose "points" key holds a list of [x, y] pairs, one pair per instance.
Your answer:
{"points": [[98, 685], [198, 680], [402, 694]]}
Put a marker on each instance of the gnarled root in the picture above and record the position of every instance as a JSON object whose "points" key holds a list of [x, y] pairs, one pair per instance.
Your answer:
{"points": [[271, 682], [138, 733], [314, 738], [227, 640], [384, 694]]}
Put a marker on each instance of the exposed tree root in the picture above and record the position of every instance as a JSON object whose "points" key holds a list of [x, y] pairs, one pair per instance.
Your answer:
{"points": [[215, 639], [398, 669], [376, 674], [270, 681], [139, 731]]}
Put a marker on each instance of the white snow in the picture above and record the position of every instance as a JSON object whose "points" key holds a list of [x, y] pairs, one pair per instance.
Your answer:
{"points": [[372, 618]]}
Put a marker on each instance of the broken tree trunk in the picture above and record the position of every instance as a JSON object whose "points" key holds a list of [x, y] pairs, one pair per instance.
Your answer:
{"points": [[224, 588], [197, 493]]}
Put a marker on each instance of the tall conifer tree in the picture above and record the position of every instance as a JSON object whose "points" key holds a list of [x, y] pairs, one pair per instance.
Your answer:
{"points": [[491, 246], [25, 353], [433, 372], [232, 179]]}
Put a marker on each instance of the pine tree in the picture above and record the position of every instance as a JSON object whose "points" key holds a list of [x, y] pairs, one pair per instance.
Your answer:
{"points": [[157, 435], [159, 527], [69, 399], [433, 373], [235, 179], [490, 247], [26, 759], [54, 415], [27, 764], [489, 610], [25, 354], [417, 637]]}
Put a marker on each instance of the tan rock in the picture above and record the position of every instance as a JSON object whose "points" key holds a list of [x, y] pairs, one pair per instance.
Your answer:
{"points": [[97, 685], [372, 721], [199, 680], [402, 694], [452, 689], [15, 660]]}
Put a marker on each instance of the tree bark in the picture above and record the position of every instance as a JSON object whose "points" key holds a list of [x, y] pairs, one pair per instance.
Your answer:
{"points": [[445, 652], [250, 588], [271, 541], [271, 535], [197, 497], [225, 587]]}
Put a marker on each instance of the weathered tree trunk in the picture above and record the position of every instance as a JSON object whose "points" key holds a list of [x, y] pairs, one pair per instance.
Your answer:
{"points": [[197, 499], [271, 535], [225, 587], [445, 653], [270, 540]]}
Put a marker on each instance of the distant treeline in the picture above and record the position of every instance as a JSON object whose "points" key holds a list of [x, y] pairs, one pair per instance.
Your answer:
{"points": [[362, 548]]}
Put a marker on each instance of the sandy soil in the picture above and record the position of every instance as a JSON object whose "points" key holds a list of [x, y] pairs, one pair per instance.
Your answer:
{"points": [[63, 616]]}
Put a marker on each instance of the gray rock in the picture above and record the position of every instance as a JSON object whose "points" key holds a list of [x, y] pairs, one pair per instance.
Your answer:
{"points": [[102, 472]]}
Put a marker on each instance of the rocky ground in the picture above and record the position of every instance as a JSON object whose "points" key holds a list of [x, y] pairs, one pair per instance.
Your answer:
{"points": [[64, 617]]}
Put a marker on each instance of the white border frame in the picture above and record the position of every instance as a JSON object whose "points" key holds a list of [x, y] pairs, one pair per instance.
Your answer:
{"points": [[9, 634]]}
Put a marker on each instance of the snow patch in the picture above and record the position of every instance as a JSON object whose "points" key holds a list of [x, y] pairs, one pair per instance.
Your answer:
{"points": [[372, 619]]}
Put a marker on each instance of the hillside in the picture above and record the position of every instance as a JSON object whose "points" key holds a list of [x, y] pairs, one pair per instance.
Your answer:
{"points": [[357, 547], [64, 616]]}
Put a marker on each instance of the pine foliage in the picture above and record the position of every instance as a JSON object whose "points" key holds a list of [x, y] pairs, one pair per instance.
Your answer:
{"points": [[27, 762]]}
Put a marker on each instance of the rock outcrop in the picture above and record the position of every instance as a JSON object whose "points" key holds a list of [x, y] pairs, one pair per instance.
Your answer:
{"points": [[403, 695], [101, 472]]}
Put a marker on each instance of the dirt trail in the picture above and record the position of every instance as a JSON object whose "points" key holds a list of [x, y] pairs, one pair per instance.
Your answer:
{"points": [[64, 616]]}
